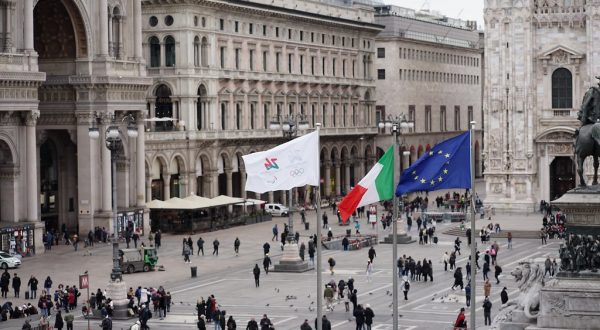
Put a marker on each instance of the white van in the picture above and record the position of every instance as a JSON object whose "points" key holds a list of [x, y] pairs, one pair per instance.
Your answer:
{"points": [[278, 210]]}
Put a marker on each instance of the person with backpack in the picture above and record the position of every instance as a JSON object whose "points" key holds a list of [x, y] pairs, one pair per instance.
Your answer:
{"points": [[405, 287]]}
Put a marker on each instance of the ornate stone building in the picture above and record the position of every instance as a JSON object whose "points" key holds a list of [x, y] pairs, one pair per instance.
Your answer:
{"points": [[429, 67], [66, 65], [540, 58], [223, 70]]}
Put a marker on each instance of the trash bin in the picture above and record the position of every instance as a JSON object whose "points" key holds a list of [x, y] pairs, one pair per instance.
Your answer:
{"points": [[194, 271], [306, 225], [348, 232]]}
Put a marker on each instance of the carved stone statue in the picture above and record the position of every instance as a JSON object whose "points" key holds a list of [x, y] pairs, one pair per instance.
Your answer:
{"points": [[587, 141]]}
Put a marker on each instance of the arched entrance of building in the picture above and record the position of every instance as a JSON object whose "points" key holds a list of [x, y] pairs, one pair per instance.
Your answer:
{"points": [[562, 176], [236, 175], [164, 108], [202, 179], [8, 187]]}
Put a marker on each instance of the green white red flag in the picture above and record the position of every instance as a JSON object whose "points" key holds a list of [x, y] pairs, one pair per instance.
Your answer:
{"points": [[377, 185]]}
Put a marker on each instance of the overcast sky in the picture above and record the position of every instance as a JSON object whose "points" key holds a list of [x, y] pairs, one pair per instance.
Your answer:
{"points": [[465, 9]]}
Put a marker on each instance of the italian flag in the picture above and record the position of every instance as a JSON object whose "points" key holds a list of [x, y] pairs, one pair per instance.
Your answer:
{"points": [[377, 185]]}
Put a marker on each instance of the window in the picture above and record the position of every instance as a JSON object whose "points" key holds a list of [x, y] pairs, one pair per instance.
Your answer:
{"points": [[379, 114], [354, 115], [264, 60], [313, 114], [264, 30], [277, 60], [154, 52], [333, 71], [291, 109], [169, 51], [289, 33], [221, 24], [344, 68], [325, 115], [469, 115], [222, 55], [169, 20], [427, 118], [203, 21], [250, 28], [353, 68], [196, 51], [153, 21], [312, 37], [252, 114], [312, 65], [411, 115], [562, 89], [204, 52], [223, 116], [236, 26], [251, 59], [277, 32], [323, 68], [301, 35], [333, 40], [343, 41], [290, 62], [266, 115], [323, 38], [301, 64], [352, 42], [457, 118], [237, 58], [334, 120], [442, 118], [380, 52], [344, 115], [381, 74], [238, 116]]}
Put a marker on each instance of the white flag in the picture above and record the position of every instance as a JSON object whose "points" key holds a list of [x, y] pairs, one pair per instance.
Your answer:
{"points": [[292, 164]]}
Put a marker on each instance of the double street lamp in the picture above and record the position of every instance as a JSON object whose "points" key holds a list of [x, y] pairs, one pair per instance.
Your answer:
{"points": [[114, 143], [289, 126], [397, 125]]}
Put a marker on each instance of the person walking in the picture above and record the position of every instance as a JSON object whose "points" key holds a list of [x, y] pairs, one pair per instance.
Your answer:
{"points": [[58, 321], [311, 252], [486, 270], [487, 311], [509, 240], [405, 286], [372, 254], [16, 285], [32, 284], [547, 266], [231, 325], [331, 263], [200, 244], [266, 263], [252, 325], [369, 315], [302, 251], [275, 231], [445, 259], [328, 295], [458, 278], [457, 242], [256, 272], [468, 294], [325, 221], [157, 244], [265, 323], [106, 323], [216, 247], [504, 296], [369, 271], [543, 235], [69, 318], [236, 246], [554, 267], [359, 315], [461, 322], [325, 324], [487, 288], [305, 325], [186, 253], [497, 272]]}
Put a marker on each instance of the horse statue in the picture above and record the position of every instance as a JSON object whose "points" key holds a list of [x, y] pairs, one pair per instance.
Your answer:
{"points": [[587, 142]]}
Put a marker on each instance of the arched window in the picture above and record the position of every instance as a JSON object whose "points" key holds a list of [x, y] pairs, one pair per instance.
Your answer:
{"points": [[154, 52], [252, 114], [204, 52], [196, 51], [169, 51], [115, 45], [201, 109], [223, 116], [324, 115], [164, 108], [344, 115], [334, 121], [238, 116], [562, 89]]}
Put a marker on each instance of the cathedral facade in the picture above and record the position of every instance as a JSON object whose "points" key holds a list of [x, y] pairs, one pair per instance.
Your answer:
{"points": [[541, 56]]}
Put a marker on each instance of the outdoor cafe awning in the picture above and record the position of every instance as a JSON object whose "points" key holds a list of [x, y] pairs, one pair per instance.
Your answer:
{"points": [[194, 202]]}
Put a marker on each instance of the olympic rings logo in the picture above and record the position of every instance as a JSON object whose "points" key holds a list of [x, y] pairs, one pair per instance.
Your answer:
{"points": [[296, 172]]}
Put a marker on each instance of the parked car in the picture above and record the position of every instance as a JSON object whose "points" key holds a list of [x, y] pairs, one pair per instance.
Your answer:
{"points": [[9, 261], [277, 210]]}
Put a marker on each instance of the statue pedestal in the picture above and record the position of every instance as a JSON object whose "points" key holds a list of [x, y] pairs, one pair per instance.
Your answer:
{"points": [[582, 207], [570, 303], [117, 291], [291, 262]]}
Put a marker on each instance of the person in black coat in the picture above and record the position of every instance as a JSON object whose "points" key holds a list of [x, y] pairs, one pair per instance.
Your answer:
{"points": [[200, 243], [372, 254], [58, 321], [266, 248], [504, 296], [265, 323], [325, 324], [305, 325], [252, 325], [359, 315], [487, 311], [256, 272], [369, 315], [266, 263], [16, 284], [201, 323], [458, 278], [354, 299]]}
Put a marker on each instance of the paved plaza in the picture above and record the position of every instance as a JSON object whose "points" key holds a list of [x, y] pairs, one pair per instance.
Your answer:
{"points": [[288, 299]]}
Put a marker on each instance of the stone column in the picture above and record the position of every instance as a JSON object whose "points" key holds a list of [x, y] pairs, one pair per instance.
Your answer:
{"points": [[32, 182], [140, 162], [271, 197], [347, 168], [327, 191], [167, 186], [111, 40], [284, 197], [106, 167], [28, 25], [8, 27], [243, 182], [103, 17], [213, 182], [229, 175], [137, 25], [338, 186]]}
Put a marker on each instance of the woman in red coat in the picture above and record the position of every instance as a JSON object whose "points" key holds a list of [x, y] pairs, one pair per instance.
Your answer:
{"points": [[460, 323]]}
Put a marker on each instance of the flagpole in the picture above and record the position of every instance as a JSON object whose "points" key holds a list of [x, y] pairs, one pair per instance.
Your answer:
{"points": [[395, 128], [473, 241], [319, 271]]}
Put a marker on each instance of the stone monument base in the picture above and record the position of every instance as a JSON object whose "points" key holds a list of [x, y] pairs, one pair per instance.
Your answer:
{"points": [[117, 291], [401, 237], [570, 302], [290, 262]]}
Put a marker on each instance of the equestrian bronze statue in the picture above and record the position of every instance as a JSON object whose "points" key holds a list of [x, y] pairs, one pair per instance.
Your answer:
{"points": [[587, 142]]}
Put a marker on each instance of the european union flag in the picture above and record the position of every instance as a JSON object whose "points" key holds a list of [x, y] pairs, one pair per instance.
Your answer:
{"points": [[446, 165]]}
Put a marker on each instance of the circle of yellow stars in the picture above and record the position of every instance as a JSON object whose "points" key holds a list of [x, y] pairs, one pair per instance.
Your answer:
{"points": [[439, 178]]}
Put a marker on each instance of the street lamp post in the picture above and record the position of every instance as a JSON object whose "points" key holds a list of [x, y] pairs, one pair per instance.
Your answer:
{"points": [[290, 261], [396, 124], [114, 143]]}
